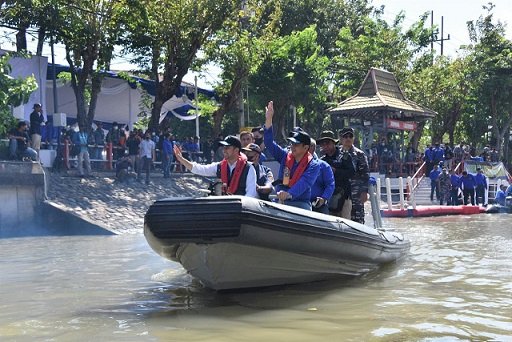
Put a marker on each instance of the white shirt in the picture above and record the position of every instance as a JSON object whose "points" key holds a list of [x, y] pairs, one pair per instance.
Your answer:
{"points": [[146, 148], [210, 170]]}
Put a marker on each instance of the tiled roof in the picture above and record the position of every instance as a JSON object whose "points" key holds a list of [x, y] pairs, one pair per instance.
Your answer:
{"points": [[379, 93]]}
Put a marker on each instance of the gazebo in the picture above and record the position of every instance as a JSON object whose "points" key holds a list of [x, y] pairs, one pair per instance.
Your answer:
{"points": [[379, 106]]}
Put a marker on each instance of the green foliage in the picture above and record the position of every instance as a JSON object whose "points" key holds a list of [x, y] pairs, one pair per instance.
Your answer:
{"points": [[376, 44], [166, 36], [13, 92], [293, 73], [491, 70]]}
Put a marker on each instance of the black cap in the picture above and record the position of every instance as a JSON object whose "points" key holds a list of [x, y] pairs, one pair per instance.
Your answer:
{"points": [[257, 129], [299, 138], [37, 105], [479, 169], [252, 147], [327, 135], [295, 129], [231, 140], [346, 130]]}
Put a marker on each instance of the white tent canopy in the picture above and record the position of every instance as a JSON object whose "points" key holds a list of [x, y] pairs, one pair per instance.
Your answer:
{"points": [[117, 101]]}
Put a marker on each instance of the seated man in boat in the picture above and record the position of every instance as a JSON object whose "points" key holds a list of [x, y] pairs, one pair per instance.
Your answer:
{"points": [[237, 175], [264, 175], [298, 169], [323, 188]]}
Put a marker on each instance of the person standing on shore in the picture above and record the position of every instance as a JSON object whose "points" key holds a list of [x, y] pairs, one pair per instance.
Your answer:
{"points": [[481, 186], [237, 175], [298, 169], [167, 155], [467, 183], [36, 121], [147, 156], [81, 139]]}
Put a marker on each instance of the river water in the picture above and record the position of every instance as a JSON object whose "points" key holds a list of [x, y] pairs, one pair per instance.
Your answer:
{"points": [[454, 285]]}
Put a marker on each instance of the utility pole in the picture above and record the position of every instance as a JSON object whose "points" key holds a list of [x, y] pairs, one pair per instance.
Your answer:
{"points": [[442, 39], [442, 35]]}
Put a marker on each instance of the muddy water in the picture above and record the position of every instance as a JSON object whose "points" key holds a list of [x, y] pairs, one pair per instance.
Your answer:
{"points": [[455, 284]]}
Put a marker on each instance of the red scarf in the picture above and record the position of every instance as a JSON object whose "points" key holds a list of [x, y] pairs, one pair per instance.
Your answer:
{"points": [[237, 173], [303, 164]]}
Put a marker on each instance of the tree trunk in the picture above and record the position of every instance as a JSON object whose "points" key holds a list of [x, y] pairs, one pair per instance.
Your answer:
{"points": [[417, 135], [21, 39], [41, 35]]}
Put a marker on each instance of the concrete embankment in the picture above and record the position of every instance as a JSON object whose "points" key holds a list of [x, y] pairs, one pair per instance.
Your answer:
{"points": [[21, 192], [74, 205], [103, 203]]}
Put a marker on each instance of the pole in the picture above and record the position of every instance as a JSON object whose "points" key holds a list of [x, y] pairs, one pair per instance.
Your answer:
{"points": [[294, 113], [442, 34], [54, 78], [197, 110], [247, 99], [432, 28]]}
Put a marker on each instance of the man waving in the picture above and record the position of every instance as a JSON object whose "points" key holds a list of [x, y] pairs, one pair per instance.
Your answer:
{"points": [[237, 175], [298, 169]]}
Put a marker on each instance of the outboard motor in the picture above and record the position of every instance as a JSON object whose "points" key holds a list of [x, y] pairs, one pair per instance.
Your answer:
{"points": [[215, 188]]}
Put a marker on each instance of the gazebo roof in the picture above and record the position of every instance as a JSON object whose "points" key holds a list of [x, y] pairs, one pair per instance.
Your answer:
{"points": [[378, 95]]}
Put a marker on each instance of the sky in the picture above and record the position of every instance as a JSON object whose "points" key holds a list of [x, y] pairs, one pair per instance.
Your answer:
{"points": [[455, 13]]}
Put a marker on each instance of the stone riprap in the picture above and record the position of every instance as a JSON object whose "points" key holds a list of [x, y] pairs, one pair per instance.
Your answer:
{"points": [[118, 207]]}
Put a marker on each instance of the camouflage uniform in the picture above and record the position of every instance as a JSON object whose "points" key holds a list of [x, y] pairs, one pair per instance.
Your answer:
{"points": [[359, 182], [445, 188]]}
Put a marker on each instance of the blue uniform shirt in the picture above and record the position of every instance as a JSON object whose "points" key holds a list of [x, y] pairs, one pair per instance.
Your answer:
{"points": [[324, 184], [434, 175], [455, 180], [480, 179], [500, 197], [300, 191], [467, 182]]}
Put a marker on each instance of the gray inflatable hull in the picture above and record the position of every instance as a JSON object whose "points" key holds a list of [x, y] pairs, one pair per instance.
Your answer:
{"points": [[231, 242]]}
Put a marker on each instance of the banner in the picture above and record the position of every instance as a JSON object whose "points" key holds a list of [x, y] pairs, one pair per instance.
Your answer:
{"points": [[490, 170], [401, 125]]}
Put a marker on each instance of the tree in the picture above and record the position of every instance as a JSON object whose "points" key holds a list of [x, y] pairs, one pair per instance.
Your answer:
{"points": [[13, 92], [492, 69], [292, 73], [237, 49], [167, 36], [376, 44], [445, 88], [90, 30]]}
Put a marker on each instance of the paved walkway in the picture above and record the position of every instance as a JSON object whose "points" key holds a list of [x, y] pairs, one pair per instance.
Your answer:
{"points": [[115, 206]]}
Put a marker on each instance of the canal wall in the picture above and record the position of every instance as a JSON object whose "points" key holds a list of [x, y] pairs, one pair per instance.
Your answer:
{"points": [[22, 190], [101, 202], [34, 200]]}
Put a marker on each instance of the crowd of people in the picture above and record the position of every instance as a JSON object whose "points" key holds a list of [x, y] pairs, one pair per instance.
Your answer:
{"points": [[334, 182], [389, 158]]}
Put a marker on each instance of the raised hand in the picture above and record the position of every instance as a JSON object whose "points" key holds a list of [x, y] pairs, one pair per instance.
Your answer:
{"points": [[269, 110], [269, 114]]}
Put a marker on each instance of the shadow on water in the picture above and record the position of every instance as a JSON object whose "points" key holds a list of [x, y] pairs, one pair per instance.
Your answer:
{"points": [[182, 294], [45, 228]]}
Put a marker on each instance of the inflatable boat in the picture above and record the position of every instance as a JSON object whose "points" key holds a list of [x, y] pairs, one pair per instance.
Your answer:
{"points": [[232, 242]]}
